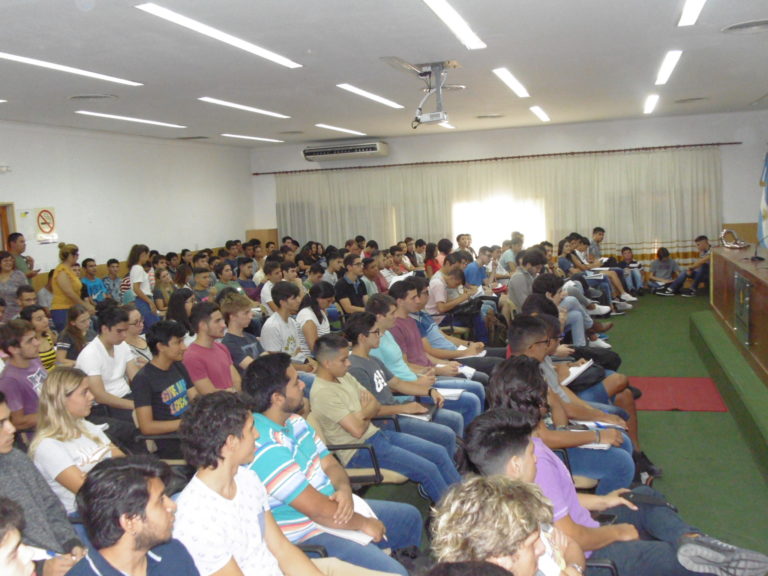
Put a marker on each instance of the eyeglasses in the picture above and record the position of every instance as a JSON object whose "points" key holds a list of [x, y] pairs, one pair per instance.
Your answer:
{"points": [[541, 342], [377, 332], [139, 321]]}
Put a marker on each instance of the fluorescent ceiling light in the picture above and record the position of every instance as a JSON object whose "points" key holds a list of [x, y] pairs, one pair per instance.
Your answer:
{"points": [[69, 69], [241, 107], [650, 103], [539, 113], [513, 83], [448, 125], [668, 66], [456, 23], [328, 127], [369, 95], [691, 12], [1, 101], [252, 138], [128, 119], [216, 34]]}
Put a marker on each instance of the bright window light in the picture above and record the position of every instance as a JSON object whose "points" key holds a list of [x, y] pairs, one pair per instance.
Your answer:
{"points": [[345, 130], [369, 95], [199, 27], [668, 66], [513, 83], [492, 220], [68, 69], [650, 103], [252, 138], [456, 23], [540, 114], [128, 119], [241, 107], [691, 12]]}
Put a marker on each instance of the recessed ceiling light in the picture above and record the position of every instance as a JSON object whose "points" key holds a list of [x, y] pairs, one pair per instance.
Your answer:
{"points": [[68, 69], [252, 138], [1, 101], [539, 113], [650, 103], [199, 27], [456, 23], [128, 119], [691, 12], [668, 66], [369, 95], [448, 125], [241, 107], [513, 83], [346, 130], [489, 116]]}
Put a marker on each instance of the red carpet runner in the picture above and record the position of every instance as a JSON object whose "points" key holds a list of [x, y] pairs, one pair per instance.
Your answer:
{"points": [[685, 394]]}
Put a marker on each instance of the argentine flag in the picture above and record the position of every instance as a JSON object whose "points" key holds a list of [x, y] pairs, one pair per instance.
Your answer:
{"points": [[762, 225]]}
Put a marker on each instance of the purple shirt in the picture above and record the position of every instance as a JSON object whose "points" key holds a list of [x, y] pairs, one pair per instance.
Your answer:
{"points": [[21, 386], [408, 337], [556, 483]]}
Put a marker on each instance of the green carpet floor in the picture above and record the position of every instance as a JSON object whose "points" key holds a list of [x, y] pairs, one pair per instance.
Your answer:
{"points": [[710, 473]]}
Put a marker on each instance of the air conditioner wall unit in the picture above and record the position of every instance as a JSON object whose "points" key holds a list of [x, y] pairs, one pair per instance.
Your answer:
{"points": [[345, 151]]}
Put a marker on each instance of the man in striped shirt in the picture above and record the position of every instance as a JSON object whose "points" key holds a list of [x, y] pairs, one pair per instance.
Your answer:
{"points": [[309, 491]]}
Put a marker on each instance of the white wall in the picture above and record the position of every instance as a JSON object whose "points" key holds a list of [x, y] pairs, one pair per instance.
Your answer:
{"points": [[741, 165], [110, 191]]}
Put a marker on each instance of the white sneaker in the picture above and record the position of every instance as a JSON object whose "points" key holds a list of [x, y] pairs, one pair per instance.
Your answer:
{"points": [[622, 306], [599, 343], [599, 310], [627, 297]]}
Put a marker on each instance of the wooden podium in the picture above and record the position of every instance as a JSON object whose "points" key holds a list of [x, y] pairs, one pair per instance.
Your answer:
{"points": [[739, 297]]}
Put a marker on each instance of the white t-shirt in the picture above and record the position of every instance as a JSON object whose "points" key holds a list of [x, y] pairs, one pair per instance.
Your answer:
{"points": [[438, 292], [279, 336], [138, 274], [52, 457], [215, 529], [95, 361], [266, 296], [308, 315]]}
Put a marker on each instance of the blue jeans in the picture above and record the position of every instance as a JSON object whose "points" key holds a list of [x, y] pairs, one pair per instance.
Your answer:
{"points": [[633, 278], [403, 523], [578, 322], [471, 403], [423, 462], [435, 432], [613, 468], [701, 274], [610, 409], [655, 554], [146, 313]]}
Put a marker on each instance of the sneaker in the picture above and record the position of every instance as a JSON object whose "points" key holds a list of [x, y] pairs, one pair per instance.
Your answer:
{"points": [[711, 556], [622, 306], [626, 297], [598, 344], [644, 464], [687, 293], [599, 310], [665, 292], [617, 313]]}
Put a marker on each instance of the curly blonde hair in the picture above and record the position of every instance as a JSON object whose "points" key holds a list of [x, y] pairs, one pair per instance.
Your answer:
{"points": [[487, 517], [54, 420]]}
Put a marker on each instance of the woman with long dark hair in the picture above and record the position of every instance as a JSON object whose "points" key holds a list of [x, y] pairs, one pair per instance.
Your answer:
{"points": [[140, 284], [179, 308], [312, 319]]}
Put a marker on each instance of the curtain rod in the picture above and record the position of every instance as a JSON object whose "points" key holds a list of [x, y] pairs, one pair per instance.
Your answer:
{"points": [[500, 158]]}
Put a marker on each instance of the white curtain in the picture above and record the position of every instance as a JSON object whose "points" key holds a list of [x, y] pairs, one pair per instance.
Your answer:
{"points": [[644, 199]]}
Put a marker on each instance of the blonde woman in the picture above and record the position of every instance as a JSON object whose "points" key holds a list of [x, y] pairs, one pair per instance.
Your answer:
{"points": [[66, 445], [66, 286]]}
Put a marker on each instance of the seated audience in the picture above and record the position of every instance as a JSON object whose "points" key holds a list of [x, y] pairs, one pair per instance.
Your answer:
{"points": [[112, 280], [163, 289], [97, 291], [335, 265], [48, 534], [10, 281], [633, 274], [344, 410], [223, 516], [163, 389], [529, 264], [179, 308], [273, 274], [26, 296], [245, 278], [66, 445], [225, 275], [129, 516], [201, 285], [133, 337], [36, 316], [648, 536], [45, 294], [664, 270], [370, 273], [351, 293], [308, 488], [75, 336], [312, 319], [243, 346], [208, 362], [23, 375], [698, 272]]}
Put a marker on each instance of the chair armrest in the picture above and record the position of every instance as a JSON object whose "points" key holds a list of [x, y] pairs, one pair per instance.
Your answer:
{"points": [[313, 551], [169, 436], [391, 418], [377, 477], [603, 566]]}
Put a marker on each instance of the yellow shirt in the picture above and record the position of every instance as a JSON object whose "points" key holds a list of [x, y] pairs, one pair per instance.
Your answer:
{"points": [[60, 300]]}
